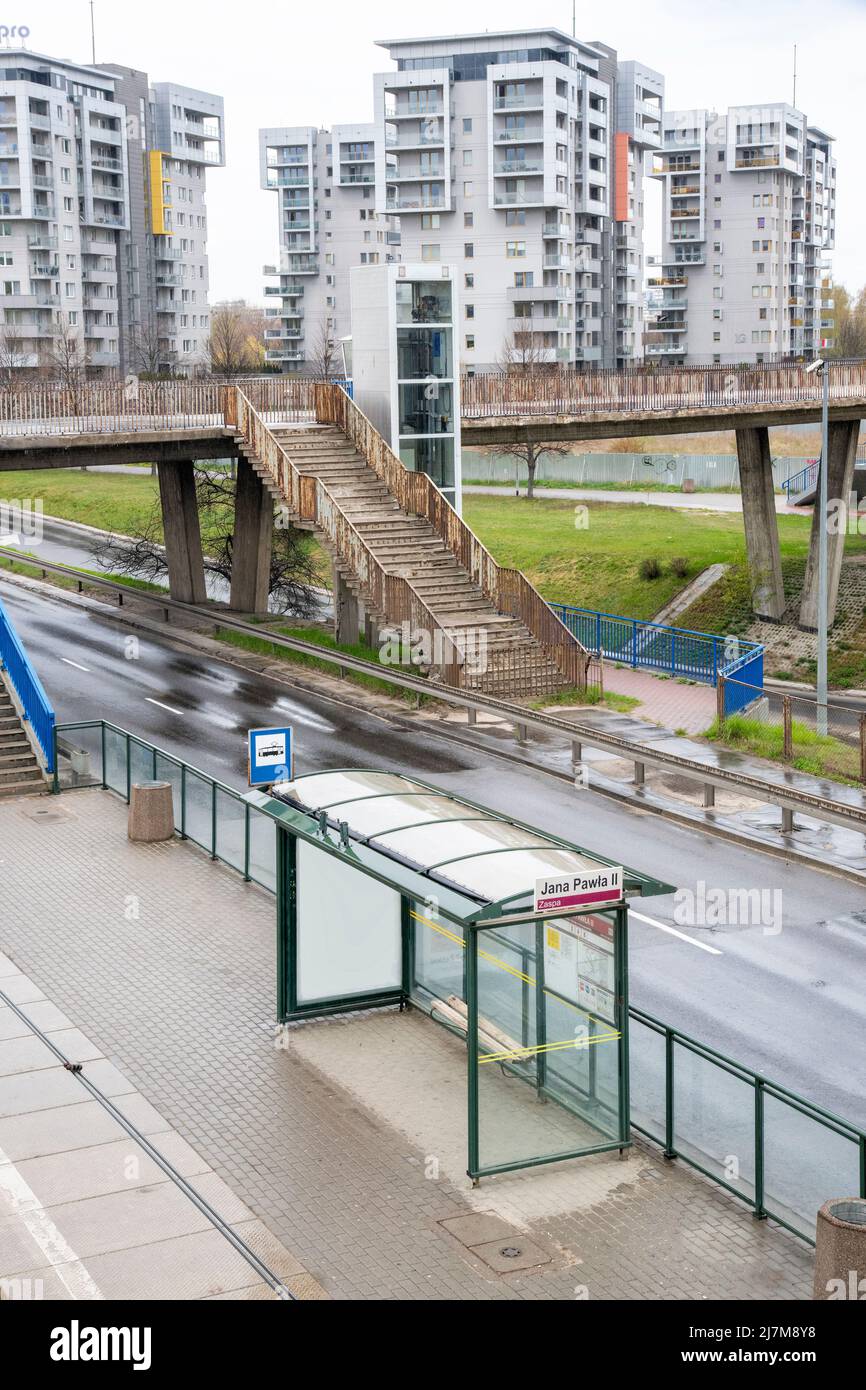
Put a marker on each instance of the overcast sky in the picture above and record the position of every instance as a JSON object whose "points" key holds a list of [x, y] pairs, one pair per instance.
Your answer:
{"points": [[313, 64]]}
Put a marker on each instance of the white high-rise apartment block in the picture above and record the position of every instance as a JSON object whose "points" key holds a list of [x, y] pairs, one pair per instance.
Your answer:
{"points": [[518, 158], [64, 205], [328, 223], [749, 214], [102, 220]]}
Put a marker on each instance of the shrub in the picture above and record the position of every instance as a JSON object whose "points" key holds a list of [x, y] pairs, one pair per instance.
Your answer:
{"points": [[650, 568], [679, 566]]}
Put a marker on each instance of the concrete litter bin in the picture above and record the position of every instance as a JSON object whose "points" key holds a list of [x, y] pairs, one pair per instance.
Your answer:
{"points": [[151, 812], [840, 1249]]}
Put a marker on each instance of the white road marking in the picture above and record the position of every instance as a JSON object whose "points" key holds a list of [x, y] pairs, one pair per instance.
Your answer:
{"points": [[67, 662], [170, 708], [58, 1253], [662, 926]]}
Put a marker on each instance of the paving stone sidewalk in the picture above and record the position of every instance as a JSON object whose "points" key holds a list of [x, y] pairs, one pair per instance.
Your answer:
{"points": [[166, 961]]}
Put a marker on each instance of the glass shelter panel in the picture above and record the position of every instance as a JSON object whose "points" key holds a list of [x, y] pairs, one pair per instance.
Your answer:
{"points": [[349, 930], [550, 1050]]}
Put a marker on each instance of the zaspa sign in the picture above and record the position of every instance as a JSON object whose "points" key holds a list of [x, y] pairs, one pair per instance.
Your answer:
{"points": [[593, 889]]}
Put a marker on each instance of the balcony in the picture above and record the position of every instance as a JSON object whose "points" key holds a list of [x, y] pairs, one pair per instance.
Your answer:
{"points": [[668, 280], [687, 191], [510, 167], [685, 212], [414, 204], [558, 230], [557, 262], [524, 137], [413, 113], [40, 241], [763, 161], [44, 272], [43, 181]]}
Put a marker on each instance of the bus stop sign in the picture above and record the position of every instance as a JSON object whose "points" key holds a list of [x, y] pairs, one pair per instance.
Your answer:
{"points": [[601, 885], [269, 756]]}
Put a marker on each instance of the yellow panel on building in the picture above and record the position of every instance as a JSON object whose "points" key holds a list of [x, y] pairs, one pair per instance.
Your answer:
{"points": [[160, 202]]}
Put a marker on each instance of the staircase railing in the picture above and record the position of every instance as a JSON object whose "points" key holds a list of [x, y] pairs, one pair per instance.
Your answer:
{"points": [[28, 688], [507, 589], [308, 499]]}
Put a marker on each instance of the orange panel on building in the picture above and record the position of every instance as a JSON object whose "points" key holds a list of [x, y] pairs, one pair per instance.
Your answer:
{"points": [[620, 187]]}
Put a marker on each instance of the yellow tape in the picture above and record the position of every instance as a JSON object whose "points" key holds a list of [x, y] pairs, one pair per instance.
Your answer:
{"points": [[575, 1043]]}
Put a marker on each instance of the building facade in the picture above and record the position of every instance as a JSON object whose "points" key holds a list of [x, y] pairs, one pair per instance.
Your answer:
{"points": [[174, 135], [328, 223], [518, 158], [749, 216], [80, 250]]}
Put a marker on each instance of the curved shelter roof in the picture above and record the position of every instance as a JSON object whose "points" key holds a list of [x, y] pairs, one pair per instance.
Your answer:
{"points": [[471, 849]]}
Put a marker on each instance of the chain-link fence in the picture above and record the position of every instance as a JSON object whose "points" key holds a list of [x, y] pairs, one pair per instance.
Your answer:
{"points": [[827, 741]]}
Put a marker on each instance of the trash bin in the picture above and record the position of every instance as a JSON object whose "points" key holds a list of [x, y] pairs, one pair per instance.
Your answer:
{"points": [[688, 485], [840, 1249], [151, 812]]}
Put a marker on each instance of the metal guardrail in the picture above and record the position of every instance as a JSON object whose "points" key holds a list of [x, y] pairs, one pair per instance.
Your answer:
{"points": [[777, 1152], [28, 687], [789, 799], [677, 651], [564, 391], [781, 1170]]}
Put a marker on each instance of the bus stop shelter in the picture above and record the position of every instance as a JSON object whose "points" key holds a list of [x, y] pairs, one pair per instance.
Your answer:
{"points": [[392, 892]]}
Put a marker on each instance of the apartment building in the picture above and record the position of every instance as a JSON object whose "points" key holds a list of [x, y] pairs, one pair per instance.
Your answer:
{"points": [[749, 216], [175, 135], [100, 177], [64, 205], [328, 223], [518, 157]]}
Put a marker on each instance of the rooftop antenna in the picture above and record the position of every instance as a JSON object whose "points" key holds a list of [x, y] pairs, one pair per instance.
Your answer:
{"points": [[92, 36], [574, 19], [794, 101]]}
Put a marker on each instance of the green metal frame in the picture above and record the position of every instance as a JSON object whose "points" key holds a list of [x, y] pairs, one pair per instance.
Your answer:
{"points": [[476, 1169]]}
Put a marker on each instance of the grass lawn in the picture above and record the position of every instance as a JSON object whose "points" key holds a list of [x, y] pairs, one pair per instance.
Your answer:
{"points": [[112, 501], [596, 566], [818, 754]]}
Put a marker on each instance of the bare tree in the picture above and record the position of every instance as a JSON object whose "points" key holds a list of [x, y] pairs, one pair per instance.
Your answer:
{"points": [[148, 356], [65, 357], [322, 359], [527, 454], [236, 339], [12, 354], [293, 573], [849, 323], [521, 354]]}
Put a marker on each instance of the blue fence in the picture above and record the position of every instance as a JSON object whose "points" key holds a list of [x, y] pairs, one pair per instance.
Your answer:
{"points": [[746, 679], [675, 651], [804, 481], [28, 688]]}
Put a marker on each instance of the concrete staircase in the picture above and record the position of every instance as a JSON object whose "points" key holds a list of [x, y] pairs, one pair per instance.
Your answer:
{"points": [[410, 547], [20, 771]]}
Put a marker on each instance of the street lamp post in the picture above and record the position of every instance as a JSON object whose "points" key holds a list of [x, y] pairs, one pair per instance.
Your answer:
{"points": [[821, 678]]}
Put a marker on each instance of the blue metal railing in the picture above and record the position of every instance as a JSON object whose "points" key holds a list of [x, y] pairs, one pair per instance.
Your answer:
{"points": [[804, 481], [747, 680], [28, 688], [676, 651]]}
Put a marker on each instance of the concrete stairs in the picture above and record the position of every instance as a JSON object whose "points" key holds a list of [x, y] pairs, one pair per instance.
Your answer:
{"points": [[408, 546], [20, 771]]}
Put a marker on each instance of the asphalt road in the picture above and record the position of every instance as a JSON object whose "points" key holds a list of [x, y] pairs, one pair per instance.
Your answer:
{"points": [[787, 998]]}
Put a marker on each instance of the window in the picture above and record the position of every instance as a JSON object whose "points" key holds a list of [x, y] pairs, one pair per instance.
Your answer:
{"points": [[717, 337], [430, 251], [523, 279], [717, 178], [717, 224], [468, 250], [718, 292], [470, 310], [469, 281], [467, 125], [69, 289], [430, 221], [762, 222], [467, 188], [515, 249], [467, 158], [515, 217], [5, 228], [468, 219], [717, 268], [717, 314], [761, 268], [470, 341]]}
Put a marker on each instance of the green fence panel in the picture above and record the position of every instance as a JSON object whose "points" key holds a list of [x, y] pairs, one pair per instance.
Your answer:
{"points": [[198, 803], [262, 864], [231, 830]]}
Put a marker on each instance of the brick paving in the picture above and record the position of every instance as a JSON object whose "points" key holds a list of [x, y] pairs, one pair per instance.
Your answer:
{"points": [[670, 703], [166, 961]]}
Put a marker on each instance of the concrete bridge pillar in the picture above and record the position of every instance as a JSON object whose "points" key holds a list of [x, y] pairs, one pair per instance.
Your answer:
{"points": [[347, 611], [251, 542], [181, 530], [759, 522], [841, 454]]}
